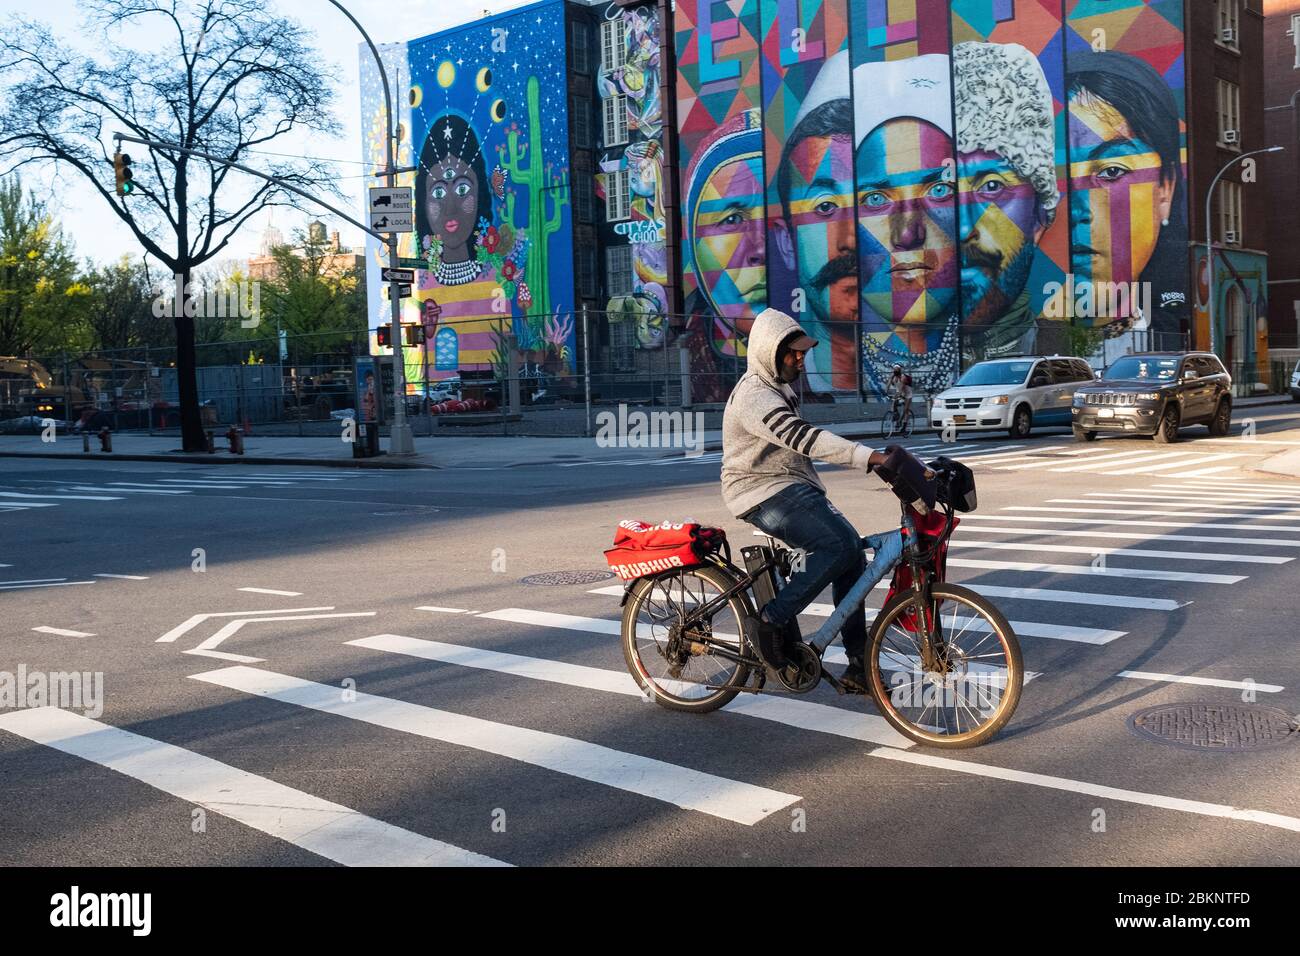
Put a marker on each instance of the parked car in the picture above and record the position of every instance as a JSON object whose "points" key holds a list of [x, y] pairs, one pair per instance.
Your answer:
{"points": [[1156, 393], [1295, 383], [1011, 393]]}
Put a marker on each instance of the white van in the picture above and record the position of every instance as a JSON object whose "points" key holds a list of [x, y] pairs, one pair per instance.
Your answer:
{"points": [[1013, 394]]}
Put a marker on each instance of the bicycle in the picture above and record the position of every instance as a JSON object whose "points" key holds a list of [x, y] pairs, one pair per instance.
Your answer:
{"points": [[685, 642], [899, 420]]}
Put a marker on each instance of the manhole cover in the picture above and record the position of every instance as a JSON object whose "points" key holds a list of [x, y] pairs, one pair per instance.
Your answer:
{"points": [[1214, 727], [551, 578]]}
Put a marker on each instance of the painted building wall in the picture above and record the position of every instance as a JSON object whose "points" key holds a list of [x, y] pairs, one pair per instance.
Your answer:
{"points": [[924, 182], [645, 309], [487, 115]]}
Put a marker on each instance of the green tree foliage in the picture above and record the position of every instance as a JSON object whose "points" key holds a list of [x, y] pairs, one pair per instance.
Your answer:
{"points": [[122, 308], [320, 305], [43, 302]]}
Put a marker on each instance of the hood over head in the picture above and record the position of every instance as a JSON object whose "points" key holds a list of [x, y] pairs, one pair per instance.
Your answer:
{"points": [[770, 329]]}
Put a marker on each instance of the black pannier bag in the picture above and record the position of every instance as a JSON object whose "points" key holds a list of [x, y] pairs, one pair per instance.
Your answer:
{"points": [[956, 484]]}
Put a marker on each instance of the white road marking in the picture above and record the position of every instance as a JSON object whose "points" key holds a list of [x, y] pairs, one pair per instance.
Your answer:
{"points": [[1105, 461], [1091, 789], [1055, 632], [177, 483], [60, 632], [1158, 512], [1260, 489], [1208, 471], [1143, 574], [1094, 456], [822, 718], [444, 610], [1124, 552], [680, 786], [133, 491], [124, 577], [61, 584], [327, 829], [32, 580], [271, 591], [1203, 681], [197, 619], [1143, 536], [1228, 493], [23, 505], [1159, 470], [24, 494], [1019, 594], [1134, 523], [572, 622], [836, 655], [234, 626]]}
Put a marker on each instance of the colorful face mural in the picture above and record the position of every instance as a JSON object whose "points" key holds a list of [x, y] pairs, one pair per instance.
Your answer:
{"points": [[969, 123], [492, 230]]}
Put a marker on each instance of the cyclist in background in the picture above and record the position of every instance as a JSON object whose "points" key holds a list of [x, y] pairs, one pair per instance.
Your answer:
{"points": [[899, 387]]}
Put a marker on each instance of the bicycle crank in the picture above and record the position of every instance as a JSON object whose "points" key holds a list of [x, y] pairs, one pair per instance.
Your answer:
{"points": [[804, 670]]}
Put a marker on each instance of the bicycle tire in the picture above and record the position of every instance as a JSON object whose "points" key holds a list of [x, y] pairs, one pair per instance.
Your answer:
{"points": [[909, 423], [1008, 699], [642, 592]]}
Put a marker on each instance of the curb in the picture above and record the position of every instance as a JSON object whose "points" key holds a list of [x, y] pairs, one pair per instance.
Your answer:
{"points": [[212, 460]]}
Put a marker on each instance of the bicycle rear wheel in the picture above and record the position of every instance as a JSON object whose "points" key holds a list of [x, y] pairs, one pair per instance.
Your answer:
{"points": [[672, 666], [964, 696]]}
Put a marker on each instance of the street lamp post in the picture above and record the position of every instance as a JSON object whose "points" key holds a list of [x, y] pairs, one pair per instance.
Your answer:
{"points": [[1209, 226], [401, 441]]}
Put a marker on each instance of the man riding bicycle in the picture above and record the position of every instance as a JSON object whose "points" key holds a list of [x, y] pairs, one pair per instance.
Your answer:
{"points": [[768, 480], [899, 387]]}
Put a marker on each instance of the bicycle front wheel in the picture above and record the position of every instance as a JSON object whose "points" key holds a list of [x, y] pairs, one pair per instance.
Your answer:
{"points": [[966, 689], [672, 664]]}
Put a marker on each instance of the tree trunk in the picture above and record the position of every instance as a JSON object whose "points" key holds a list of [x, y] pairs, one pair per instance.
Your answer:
{"points": [[187, 388]]}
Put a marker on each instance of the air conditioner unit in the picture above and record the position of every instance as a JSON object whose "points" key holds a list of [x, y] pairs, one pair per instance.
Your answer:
{"points": [[1231, 136], [1231, 238], [1229, 35]]}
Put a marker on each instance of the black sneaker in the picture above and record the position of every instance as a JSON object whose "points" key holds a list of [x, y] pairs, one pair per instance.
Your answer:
{"points": [[854, 677], [768, 641]]}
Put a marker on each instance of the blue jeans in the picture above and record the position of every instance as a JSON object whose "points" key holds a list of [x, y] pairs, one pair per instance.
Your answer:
{"points": [[803, 518]]}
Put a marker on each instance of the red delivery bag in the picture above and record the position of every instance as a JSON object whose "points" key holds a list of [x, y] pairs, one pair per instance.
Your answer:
{"points": [[642, 549], [929, 527]]}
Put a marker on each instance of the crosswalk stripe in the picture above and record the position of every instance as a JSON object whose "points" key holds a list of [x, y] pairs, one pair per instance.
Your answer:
{"points": [[681, 786], [1105, 461], [1133, 522], [1156, 512], [1123, 552], [1188, 505], [1055, 632], [1238, 487], [23, 494], [1208, 471], [1145, 536], [1144, 574], [124, 577], [133, 491], [177, 483], [1190, 461], [57, 584], [1048, 595], [1220, 493], [1093, 457], [836, 655], [805, 715], [329, 830], [61, 632], [1203, 681], [123, 486]]}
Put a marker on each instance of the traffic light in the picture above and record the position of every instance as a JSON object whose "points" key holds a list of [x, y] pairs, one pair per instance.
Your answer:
{"points": [[413, 335], [122, 173], [385, 334]]}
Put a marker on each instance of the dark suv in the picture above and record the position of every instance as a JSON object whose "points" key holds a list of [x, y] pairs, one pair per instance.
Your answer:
{"points": [[1155, 393]]}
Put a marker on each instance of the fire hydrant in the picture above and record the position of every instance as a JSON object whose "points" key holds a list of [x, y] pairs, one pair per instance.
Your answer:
{"points": [[236, 440], [105, 439]]}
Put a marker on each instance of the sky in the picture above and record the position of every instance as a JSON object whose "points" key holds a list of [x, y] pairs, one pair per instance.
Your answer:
{"points": [[96, 231]]}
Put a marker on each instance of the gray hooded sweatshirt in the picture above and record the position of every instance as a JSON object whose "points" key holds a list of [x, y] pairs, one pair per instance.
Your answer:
{"points": [[766, 445]]}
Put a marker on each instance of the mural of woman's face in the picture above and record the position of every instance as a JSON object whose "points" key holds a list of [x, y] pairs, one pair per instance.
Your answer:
{"points": [[451, 205], [730, 246], [1119, 194], [907, 215]]}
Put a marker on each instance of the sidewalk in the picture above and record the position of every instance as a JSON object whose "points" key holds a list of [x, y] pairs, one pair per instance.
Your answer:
{"points": [[439, 451]]}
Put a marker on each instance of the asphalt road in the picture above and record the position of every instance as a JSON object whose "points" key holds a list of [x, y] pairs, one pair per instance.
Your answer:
{"points": [[483, 719]]}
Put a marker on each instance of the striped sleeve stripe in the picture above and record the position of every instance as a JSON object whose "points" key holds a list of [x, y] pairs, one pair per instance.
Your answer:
{"points": [[767, 419], [788, 428], [796, 440], [812, 439]]}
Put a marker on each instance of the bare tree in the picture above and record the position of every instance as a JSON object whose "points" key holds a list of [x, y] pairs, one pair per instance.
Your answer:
{"points": [[228, 77]]}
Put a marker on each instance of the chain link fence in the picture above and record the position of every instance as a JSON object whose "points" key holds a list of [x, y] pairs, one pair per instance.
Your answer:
{"points": [[306, 384]]}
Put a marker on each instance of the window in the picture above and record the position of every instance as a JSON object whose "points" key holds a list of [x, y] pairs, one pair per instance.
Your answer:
{"points": [[1229, 108], [1230, 224], [587, 272], [613, 46], [1294, 34], [618, 198], [1227, 22], [618, 270], [583, 197], [580, 48], [578, 109], [615, 115]]}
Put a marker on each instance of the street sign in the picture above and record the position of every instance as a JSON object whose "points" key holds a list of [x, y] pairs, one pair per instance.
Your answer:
{"points": [[399, 275], [390, 199], [403, 292], [392, 221]]}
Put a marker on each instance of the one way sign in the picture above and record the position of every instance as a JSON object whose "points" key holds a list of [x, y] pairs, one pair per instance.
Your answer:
{"points": [[399, 275]]}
